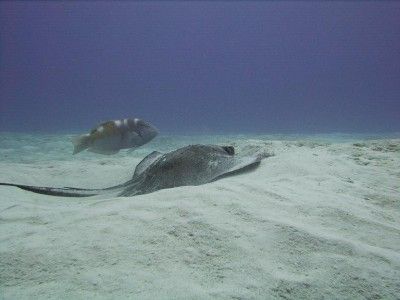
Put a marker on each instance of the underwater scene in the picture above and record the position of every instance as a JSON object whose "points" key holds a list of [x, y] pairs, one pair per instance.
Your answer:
{"points": [[199, 150]]}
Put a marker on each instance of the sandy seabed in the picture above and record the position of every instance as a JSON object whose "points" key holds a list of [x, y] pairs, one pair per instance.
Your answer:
{"points": [[318, 220]]}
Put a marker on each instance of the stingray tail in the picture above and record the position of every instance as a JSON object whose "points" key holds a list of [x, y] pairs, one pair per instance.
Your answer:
{"points": [[81, 143], [63, 192]]}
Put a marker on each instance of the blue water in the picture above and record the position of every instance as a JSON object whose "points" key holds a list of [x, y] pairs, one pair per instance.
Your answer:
{"points": [[201, 67]]}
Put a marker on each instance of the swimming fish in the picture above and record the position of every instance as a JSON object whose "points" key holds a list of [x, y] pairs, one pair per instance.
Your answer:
{"points": [[111, 136]]}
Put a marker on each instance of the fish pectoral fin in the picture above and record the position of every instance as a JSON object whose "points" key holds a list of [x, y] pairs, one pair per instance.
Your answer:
{"points": [[134, 138]]}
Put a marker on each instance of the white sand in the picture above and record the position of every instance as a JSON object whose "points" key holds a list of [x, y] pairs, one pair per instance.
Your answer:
{"points": [[317, 220]]}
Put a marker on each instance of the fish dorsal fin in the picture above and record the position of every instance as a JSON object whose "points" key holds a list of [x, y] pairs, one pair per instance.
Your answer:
{"points": [[106, 125], [146, 162]]}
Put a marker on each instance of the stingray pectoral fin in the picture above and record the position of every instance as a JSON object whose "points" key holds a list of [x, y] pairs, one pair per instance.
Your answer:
{"points": [[146, 162], [52, 191], [241, 165]]}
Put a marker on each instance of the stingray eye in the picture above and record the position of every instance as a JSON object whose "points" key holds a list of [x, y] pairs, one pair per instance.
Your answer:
{"points": [[229, 149]]}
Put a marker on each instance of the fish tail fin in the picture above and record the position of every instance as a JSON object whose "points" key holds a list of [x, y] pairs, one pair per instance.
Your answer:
{"points": [[81, 143], [63, 192]]}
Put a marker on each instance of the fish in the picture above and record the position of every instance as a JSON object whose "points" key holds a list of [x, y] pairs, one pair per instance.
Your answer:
{"points": [[110, 137]]}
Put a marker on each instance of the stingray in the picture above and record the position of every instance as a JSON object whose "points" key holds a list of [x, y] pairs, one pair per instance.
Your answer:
{"points": [[190, 165]]}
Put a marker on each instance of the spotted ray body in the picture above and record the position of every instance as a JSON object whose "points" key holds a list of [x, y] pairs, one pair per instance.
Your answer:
{"points": [[190, 165]]}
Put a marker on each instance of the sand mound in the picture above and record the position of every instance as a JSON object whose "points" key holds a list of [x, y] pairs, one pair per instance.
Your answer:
{"points": [[319, 219]]}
